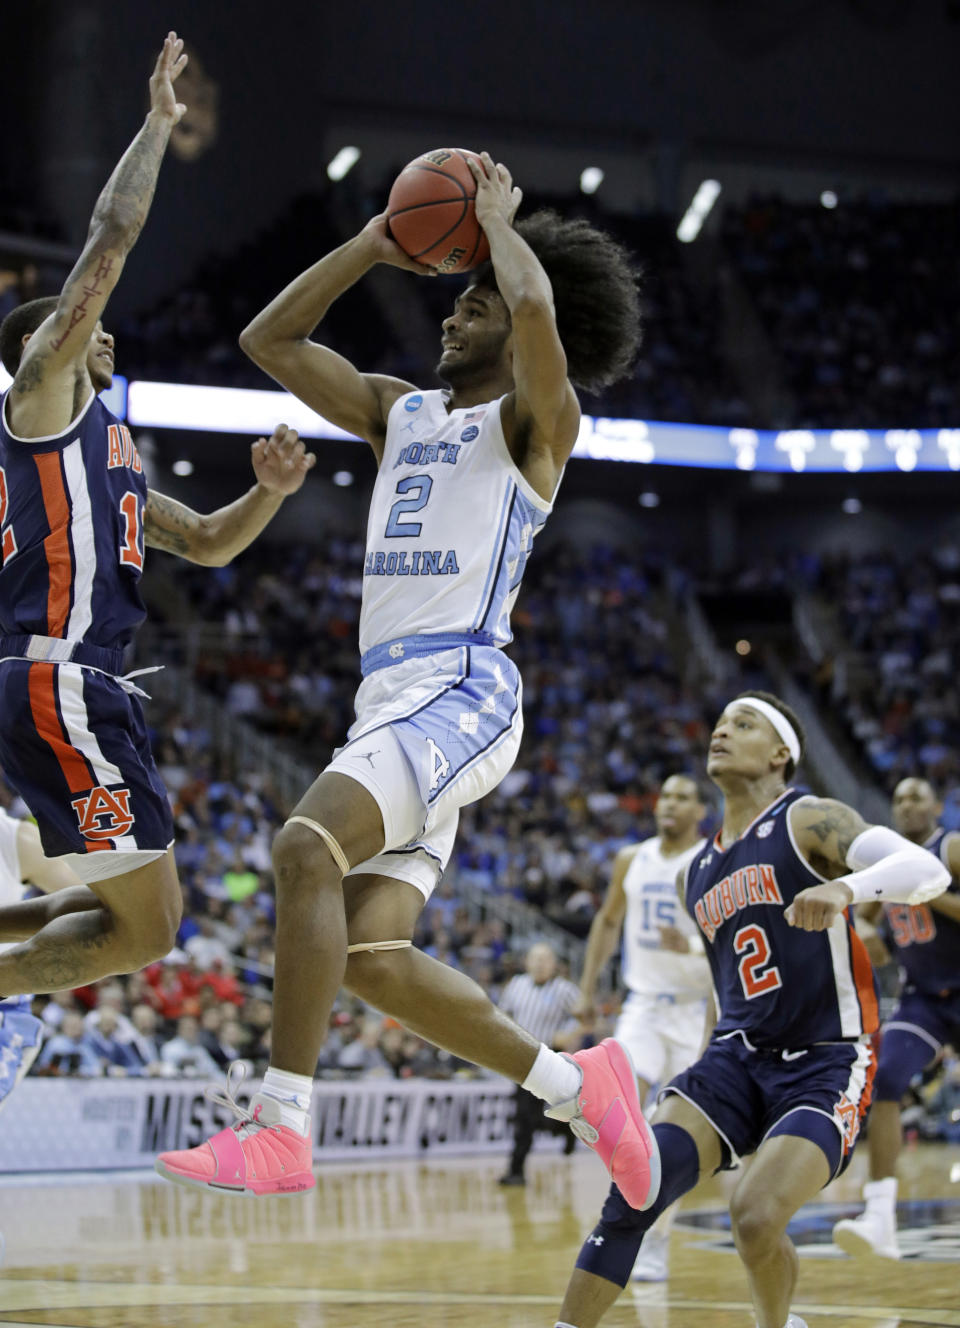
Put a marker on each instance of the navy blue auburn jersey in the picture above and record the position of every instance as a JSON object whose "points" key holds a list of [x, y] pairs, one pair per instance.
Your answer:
{"points": [[927, 943], [71, 526], [781, 986]]}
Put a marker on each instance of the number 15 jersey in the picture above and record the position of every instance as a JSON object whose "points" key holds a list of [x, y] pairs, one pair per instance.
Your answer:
{"points": [[781, 986], [71, 524], [650, 887], [451, 525]]}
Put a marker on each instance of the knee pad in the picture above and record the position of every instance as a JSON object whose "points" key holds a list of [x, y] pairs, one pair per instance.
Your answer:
{"points": [[378, 945], [336, 852]]}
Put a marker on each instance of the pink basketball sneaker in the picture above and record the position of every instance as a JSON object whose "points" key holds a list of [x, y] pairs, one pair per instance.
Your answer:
{"points": [[606, 1115], [256, 1155]]}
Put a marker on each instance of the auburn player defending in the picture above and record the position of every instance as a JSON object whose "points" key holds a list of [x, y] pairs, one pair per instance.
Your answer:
{"points": [[787, 1071], [467, 477], [664, 967], [925, 940], [75, 513]]}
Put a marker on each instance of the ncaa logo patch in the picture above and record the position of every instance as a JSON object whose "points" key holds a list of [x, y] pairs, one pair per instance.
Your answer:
{"points": [[103, 813], [413, 403], [765, 829], [469, 433]]}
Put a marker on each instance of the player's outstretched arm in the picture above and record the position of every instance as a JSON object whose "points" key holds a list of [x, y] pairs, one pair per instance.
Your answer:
{"points": [[604, 931], [278, 339], [867, 862], [280, 465], [544, 408], [56, 353]]}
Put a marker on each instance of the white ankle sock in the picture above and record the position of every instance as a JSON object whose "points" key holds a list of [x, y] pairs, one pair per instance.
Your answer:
{"points": [[880, 1196], [558, 1324], [293, 1092], [552, 1077]]}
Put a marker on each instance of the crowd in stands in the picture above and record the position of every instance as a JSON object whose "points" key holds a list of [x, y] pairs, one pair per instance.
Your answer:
{"points": [[608, 714], [894, 682], [859, 302]]}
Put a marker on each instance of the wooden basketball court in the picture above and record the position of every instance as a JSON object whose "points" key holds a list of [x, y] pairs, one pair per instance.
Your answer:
{"points": [[430, 1245]]}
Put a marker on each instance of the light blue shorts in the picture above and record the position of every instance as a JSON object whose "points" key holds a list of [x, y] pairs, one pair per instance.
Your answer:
{"points": [[432, 735]]}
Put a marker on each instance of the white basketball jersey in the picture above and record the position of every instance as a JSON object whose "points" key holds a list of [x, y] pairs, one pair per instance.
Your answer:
{"points": [[11, 886], [451, 524], [650, 885]]}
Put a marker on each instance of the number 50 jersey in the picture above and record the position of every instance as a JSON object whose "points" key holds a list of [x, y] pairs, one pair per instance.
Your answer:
{"points": [[451, 525], [71, 525], [781, 986]]}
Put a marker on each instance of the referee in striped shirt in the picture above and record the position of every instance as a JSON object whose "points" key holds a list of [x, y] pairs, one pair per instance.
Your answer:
{"points": [[541, 1002]]}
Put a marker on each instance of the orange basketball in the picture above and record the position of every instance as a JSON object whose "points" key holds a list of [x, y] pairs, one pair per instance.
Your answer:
{"points": [[430, 211]]}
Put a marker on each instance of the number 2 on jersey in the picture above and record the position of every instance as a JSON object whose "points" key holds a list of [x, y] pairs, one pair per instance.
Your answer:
{"points": [[406, 529], [757, 974]]}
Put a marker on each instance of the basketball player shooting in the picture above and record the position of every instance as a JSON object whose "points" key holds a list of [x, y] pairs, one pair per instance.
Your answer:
{"points": [[467, 477], [787, 1069], [75, 514]]}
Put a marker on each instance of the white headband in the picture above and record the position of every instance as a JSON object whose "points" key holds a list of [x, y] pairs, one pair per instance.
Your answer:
{"points": [[785, 729]]}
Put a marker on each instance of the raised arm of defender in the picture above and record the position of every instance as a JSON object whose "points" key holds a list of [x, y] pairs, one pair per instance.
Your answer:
{"points": [[280, 465], [865, 862], [55, 356], [543, 411]]}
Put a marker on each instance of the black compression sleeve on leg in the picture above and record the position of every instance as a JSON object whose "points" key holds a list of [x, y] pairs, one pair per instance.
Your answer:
{"points": [[611, 1249]]}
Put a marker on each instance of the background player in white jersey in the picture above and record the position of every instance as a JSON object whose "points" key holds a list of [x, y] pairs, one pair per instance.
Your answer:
{"points": [[22, 860], [664, 966], [466, 477]]}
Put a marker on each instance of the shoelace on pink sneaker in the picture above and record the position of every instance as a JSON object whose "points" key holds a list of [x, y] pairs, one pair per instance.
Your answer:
{"points": [[247, 1121], [584, 1130]]}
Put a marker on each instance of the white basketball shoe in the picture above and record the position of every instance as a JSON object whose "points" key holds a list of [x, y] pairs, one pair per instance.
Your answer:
{"points": [[870, 1233], [875, 1230]]}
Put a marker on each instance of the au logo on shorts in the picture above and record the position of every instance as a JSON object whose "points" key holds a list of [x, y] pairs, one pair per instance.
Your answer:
{"points": [[103, 813]]}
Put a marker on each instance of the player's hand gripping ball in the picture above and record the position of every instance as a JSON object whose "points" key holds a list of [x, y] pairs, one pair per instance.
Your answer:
{"points": [[430, 211]]}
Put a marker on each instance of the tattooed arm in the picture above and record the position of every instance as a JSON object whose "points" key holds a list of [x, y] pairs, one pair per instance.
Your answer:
{"points": [[280, 464], [53, 379], [864, 863], [824, 829]]}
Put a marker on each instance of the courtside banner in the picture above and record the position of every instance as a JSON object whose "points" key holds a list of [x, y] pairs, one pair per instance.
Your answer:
{"points": [[105, 1124]]}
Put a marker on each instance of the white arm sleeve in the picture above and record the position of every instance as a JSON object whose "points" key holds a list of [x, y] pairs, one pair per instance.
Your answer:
{"points": [[888, 867]]}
